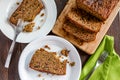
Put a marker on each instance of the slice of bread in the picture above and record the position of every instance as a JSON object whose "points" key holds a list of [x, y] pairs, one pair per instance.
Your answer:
{"points": [[84, 20], [45, 61], [27, 11], [71, 38], [99, 8], [80, 33]]}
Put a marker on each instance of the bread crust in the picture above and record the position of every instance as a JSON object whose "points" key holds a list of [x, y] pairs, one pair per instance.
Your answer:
{"points": [[99, 8]]}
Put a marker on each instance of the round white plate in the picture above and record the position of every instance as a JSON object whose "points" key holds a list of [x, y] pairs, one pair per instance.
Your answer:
{"points": [[56, 44], [46, 22]]}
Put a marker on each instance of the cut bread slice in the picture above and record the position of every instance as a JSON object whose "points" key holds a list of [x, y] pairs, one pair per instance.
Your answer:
{"points": [[80, 33], [45, 61], [84, 20], [71, 38], [27, 11]]}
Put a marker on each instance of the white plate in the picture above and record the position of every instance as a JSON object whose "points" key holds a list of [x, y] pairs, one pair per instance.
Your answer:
{"points": [[56, 44], [49, 19]]}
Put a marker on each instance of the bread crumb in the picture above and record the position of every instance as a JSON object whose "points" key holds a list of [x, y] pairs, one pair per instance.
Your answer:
{"points": [[42, 20], [17, 3], [65, 52], [38, 28], [29, 27], [39, 75], [72, 64], [68, 62], [60, 56], [53, 74], [46, 46], [42, 14]]}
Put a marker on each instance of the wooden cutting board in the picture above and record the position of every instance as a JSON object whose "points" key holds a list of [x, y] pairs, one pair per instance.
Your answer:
{"points": [[88, 47]]}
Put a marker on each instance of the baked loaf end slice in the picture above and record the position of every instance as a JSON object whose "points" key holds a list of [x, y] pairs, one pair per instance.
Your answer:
{"points": [[48, 62], [84, 20], [99, 8], [27, 11], [80, 33]]}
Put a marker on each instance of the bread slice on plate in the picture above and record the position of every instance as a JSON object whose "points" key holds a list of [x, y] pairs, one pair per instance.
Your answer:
{"points": [[99, 8], [80, 33], [84, 20], [45, 61], [27, 11]]}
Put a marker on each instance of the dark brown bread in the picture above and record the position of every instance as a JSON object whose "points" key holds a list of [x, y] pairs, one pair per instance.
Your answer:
{"points": [[27, 11], [80, 33], [65, 52], [72, 38], [84, 20], [45, 61], [99, 8]]}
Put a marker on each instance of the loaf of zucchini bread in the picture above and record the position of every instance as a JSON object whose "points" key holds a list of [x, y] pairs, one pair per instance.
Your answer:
{"points": [[99, 8]]}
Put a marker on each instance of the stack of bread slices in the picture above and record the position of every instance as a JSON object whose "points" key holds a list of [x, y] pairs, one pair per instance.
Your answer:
{"points": [[84, 20]]}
